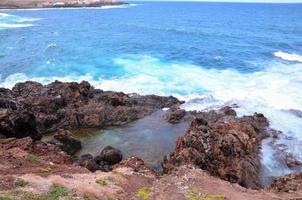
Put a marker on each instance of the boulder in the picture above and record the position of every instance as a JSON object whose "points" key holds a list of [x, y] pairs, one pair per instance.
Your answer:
{"points": [[19, 124], [88, 162], [110, 155], [222, 144], [66, 142]]}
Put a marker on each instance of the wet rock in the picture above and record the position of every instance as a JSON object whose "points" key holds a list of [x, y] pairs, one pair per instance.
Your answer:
{"points": [[78, 105], [175, 116], [88, 162], [292, 162], [66, 142], [110, 155], [297, 113], [222, 144], [229, 111]]}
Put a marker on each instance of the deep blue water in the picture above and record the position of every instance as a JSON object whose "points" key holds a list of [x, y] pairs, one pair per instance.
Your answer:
{"points": [[209, 54]]}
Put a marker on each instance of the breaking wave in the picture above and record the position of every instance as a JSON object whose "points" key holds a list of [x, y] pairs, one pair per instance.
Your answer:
{"points": [[8, 21], [288, 56]]}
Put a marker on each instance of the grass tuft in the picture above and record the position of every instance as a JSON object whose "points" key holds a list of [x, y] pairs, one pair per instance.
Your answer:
{"points": [[45, 170], [32, 158], [101, 182], [55, 193], [5, 198], [21, 183], [143, 193]]}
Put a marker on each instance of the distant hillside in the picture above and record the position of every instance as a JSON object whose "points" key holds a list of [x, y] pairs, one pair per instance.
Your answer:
{"points": [[13, 4]]}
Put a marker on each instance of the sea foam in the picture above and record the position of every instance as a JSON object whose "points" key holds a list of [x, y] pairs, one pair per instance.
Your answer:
{"points": [[288, 56], [6, 25], [273, 91], [8, 21]]}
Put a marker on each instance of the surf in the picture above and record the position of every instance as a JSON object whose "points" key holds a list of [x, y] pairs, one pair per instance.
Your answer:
{"points": [[288, 56]]}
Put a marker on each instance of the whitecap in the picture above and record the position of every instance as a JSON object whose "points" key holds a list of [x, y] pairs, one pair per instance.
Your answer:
{"points": [[6, 25], [51, 45], [288, 56], [5, 15]]}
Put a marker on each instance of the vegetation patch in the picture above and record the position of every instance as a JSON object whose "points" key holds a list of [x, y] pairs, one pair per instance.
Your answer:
{"points": [[47, 169], [5, 198], [144, 193], [20, 183], [55, 193], [110, 179], [32, 158], [101, 182], [193, 195]]}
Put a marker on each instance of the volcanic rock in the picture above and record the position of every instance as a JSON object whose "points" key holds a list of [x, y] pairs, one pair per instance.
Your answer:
{"points": [[224, 145], [72, 105], [66, 142], [175, 116]]}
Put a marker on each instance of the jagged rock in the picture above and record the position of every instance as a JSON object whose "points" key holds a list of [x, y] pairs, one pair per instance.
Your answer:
{"points": [[175, 116], [65, 141], [222, 144], [289, 183], [137, 164], [19, 124], [292, 162], [78, 105]]}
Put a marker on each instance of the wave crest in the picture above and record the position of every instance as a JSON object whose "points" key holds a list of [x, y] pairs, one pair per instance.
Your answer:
{"points": [[288, 56]]}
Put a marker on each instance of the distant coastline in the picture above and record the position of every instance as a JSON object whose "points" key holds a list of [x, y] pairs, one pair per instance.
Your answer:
{"points": [[29, 4]]}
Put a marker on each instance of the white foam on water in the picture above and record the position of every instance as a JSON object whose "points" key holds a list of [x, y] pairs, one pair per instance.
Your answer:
{"points": [[288, 56], [12, 21], [6, 25], [271, 91], [2, 15]]}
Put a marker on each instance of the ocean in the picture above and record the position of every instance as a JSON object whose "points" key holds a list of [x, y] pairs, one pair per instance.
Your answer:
{"points": [[208, 54]]}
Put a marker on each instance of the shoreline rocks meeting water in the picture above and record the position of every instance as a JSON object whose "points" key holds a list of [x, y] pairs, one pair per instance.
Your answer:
{"points": [[218, 151], [26, 4]]}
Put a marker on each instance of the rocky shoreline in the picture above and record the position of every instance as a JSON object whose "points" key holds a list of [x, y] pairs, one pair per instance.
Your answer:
{"points": [[28, 4], [218, 155]]}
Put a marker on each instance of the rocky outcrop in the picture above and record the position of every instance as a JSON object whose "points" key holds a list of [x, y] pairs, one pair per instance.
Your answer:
{"points": [[18, 124], [66, 142], [137, 165], [13, 4], [291, 183], [222, 144], [24, 155], [108, 157], [31, 108], [174, 116]]}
